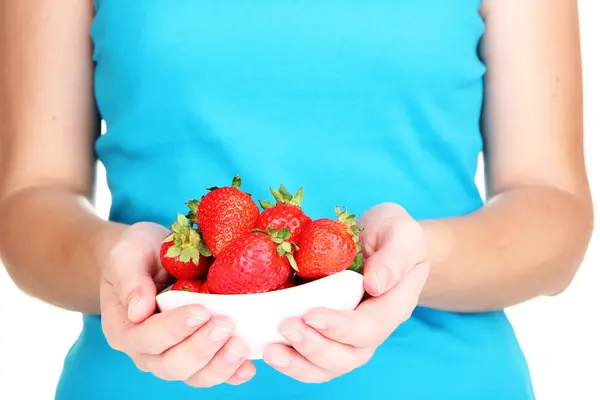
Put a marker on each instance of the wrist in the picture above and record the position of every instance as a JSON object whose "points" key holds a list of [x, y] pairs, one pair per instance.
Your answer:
{"points": [[105, 235], [440, 244]]}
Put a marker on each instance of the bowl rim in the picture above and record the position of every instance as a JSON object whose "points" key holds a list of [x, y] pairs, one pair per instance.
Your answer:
{"points": [[319, 281]]}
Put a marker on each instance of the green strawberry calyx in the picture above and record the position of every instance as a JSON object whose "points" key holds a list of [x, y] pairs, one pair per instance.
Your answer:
{"points": [[283, 196], [192, 204], [284, 248], [344, 217], [187, 241], [236, 183], [357, 264]]}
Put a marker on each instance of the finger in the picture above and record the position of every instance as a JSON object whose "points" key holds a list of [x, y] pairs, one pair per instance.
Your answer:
{"points": [[223, 366], [191, 355], [374, 319], [243, 374], [128, 271], [289, 362], [155, 335], [332, 356], [398, 251]]}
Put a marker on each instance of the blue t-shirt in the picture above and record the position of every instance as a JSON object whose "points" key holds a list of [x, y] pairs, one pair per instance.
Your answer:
{"points": [[360, 102]]}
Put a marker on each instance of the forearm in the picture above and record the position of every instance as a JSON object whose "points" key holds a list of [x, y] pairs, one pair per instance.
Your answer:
{"points": [[53, 246], [525, 243]]}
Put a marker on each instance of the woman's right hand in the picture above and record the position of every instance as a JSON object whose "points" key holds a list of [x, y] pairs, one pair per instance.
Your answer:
{"points": [[186, 344]]}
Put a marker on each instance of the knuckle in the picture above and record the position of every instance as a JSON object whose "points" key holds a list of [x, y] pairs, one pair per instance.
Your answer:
{"points": [[202, 349], [364, 356], [204, 379], [114, 343], [141, 362], [169, 374], [173, 367], [114, 339]]}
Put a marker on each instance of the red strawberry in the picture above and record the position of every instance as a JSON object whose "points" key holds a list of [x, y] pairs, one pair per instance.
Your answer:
{"points": [[285, 213], [327, 247], [204, 289], [189, 285], [223, 215], [257, 262], [287, 284], [182, 253]]}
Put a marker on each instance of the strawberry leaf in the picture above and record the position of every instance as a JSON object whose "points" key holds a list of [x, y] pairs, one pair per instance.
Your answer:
{"points": [[182, 220], [284, 248], [169, 238], [285, 194], [202, 249], [298, 197], [193, 206], [173, 251], [265, 204], [284, 234], [357, 264], [186, 254], [279, 199], [292, 261], [237, 181], [195, 255]]}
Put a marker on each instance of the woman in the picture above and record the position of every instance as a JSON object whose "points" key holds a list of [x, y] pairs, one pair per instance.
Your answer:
{"points": [[375, 105]]}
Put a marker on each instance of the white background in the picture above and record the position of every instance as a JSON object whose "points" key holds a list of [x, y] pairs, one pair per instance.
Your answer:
{"points": [[559, 335]]}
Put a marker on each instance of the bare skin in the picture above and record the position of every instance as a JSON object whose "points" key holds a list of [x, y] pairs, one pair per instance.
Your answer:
{"points": [[527, 241]]}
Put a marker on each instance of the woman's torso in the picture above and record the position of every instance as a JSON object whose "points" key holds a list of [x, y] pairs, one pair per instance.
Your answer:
{"points": [[359, 102]]}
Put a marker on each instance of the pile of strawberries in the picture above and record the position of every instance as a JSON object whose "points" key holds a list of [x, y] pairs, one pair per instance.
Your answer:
{"points": [[226, 245]]}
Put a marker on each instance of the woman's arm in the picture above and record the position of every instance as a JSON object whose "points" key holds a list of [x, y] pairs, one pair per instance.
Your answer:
{"points": [[531, 236], [51, 241]]}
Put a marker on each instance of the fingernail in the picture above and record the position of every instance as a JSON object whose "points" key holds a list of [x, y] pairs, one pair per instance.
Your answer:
{"points": [[281, 361], [231, 355], [381, 278], [317, 324], [292, 336], [197, 319], [132, 303], [218, 334], [243, 375]]}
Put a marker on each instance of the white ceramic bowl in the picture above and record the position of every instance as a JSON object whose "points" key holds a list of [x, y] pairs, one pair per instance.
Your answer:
{"points": [[257, 316]]}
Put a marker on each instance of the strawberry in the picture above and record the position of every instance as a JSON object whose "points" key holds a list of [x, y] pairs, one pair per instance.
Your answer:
{"points": [[257, 262], [223, 215], [182, 253], [287, 284], [189, 285], [327, 246], [285, 213], [204, 289]]}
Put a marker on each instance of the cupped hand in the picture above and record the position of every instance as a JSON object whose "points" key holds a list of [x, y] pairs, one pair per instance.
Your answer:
{"points": [[186, 344], [326, 343]]}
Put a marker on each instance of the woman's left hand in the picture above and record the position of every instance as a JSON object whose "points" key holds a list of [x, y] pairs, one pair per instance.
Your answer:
{"points": [[327, 343]]}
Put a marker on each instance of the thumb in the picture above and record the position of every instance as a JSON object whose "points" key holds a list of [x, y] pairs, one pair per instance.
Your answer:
{"points": [[383, 269], [129, 271]]}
